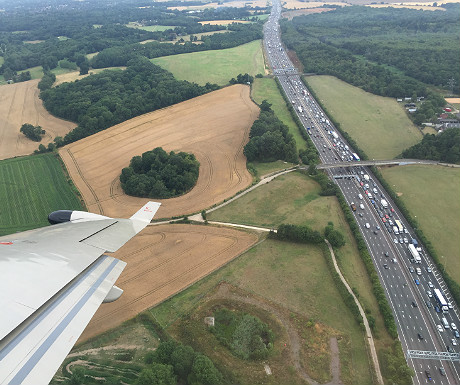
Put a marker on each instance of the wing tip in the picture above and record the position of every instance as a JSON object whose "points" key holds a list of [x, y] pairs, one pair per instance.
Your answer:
{"points": [[147, 212]]}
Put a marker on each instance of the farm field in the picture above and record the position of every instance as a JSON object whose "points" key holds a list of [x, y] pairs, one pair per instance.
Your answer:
{"points": [[431, 194], [216, 66], [266, 88], [297, 4], [32, 187], [150, 28], [232, 3], [75, 75], [214, 127], [19, 104], [293, 277], [379, 125], [163, 260]]}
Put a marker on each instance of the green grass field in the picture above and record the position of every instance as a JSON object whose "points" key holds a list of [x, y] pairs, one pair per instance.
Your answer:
{"points": [[31, 187], [216, 66], [379, 125], [431, 193], [269, 167], [35, 72], [151, 28], [265, 88]]}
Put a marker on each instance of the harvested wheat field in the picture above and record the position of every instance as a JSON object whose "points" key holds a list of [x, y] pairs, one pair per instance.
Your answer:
{"points": [[19, 104], [163, 260], [214, 127]]}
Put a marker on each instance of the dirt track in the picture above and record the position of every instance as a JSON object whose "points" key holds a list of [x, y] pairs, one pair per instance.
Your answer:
{"points": [[19, 104], [162, 260], [214, 127]]}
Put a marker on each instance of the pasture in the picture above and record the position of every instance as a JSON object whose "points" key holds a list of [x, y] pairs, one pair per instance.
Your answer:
{"points": [[216, 66], [32, 187], [266, 88], [379, 125], [431, 194], [150, 28]]}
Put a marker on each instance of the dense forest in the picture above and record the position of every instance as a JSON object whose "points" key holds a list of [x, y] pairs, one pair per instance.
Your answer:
{"points": [[386, 51], [103, 100], [444, 147], [269, 139], [157, 174], [63, 32]]}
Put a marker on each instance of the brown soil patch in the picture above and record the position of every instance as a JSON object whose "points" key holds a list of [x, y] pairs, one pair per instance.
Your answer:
{"points": [[163, 260], [19, 104], [223, 22], [295, 60], [453, 100], [298, 4], [214, 127]]}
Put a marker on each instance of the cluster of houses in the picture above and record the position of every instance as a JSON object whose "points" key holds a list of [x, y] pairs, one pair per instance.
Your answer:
{"points": [[411, 107]]}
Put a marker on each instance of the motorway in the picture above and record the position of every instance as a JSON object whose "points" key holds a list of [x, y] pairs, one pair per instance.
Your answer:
{"points": [[427, 344]]}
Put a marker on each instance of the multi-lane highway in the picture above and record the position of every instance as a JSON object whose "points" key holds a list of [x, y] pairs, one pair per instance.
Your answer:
{"points": [[427, 343]]}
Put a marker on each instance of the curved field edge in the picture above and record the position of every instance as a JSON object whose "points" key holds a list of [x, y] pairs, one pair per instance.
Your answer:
{"points": [[379, 125], [33, 186], [216, 66], [431, 194]]}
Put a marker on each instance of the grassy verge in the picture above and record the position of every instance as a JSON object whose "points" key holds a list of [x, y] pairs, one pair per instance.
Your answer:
{"points": [[263, 169], [379, 125], [216, 66], [33, 186], [265, 88], [431, 195]]}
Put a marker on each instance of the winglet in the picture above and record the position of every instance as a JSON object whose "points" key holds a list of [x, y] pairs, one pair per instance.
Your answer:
{"points": [[146, 213]]}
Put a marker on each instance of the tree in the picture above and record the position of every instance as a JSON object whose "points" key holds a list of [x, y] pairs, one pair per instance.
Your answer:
{"points": [[84, 67], [157, 374], [204, 372], [182, 360], [33, 133], [265, 106]]}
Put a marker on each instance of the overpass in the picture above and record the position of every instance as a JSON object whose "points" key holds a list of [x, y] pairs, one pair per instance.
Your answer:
{"points": [[391, 162]]}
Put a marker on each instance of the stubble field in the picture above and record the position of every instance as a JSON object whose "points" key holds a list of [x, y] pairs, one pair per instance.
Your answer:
{"points": [[19, 104], [214, 127], [163, 260]]}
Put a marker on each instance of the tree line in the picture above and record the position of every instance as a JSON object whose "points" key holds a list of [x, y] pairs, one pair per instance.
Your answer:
{"points": [[444, 147], [269, 139], [111, 97], [157, 174]]}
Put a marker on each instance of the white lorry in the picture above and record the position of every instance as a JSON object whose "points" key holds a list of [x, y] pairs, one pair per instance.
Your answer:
{"points": [[415, 253], [384, 203]]}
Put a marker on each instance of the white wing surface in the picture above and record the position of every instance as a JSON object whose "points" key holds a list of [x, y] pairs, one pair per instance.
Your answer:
{"points": [[52, 281]]}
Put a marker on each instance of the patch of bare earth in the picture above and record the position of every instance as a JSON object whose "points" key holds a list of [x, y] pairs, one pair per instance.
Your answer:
{"points": [[163, 260], [299, 12], [214, 127], [19, 104]]}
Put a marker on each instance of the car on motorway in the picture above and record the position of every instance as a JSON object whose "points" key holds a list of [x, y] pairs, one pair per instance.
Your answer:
{"points": [[449, 305], [393, 260], [419, 335], [367, 225], [385, 266], [442, 371], [440, 328], [456, 334], [401, 240], [454, 342], [414, 304], [395, 240], [417, 282], [428, 270], [361, 215], [392, 210], [386, 254], [437, 309], [450, 350], [375, 232], [453, 326], [428, 375], [406, 240], [428, 304], [411, 269], [429, 293]]}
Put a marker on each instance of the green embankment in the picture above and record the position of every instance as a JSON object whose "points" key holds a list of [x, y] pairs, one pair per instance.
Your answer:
{"points": [[431, 193], [216, 66], [379, 125], [265, 88], [31, 187]]}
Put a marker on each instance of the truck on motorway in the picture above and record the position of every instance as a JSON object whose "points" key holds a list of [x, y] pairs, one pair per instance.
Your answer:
{"points": [[415, 253], [441, 300], [400, 226], [334, 134], [384, 203], [355, 156], [366, 177], [396, 230], [353, 206]]}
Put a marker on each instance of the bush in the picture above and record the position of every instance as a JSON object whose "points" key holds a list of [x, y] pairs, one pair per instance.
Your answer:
{"points": [[33, 133]]}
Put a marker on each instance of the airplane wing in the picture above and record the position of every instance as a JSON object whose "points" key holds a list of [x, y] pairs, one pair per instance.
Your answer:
{"points": [[52, 281]]}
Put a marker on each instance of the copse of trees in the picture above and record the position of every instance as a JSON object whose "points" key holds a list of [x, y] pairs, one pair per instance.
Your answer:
{"points": [[111, 97], [269, 139], [34, 133], [157, 174], [242, 79], [295, 233], [444, 147], [335, 237], [173, 362], [246, 336]]}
